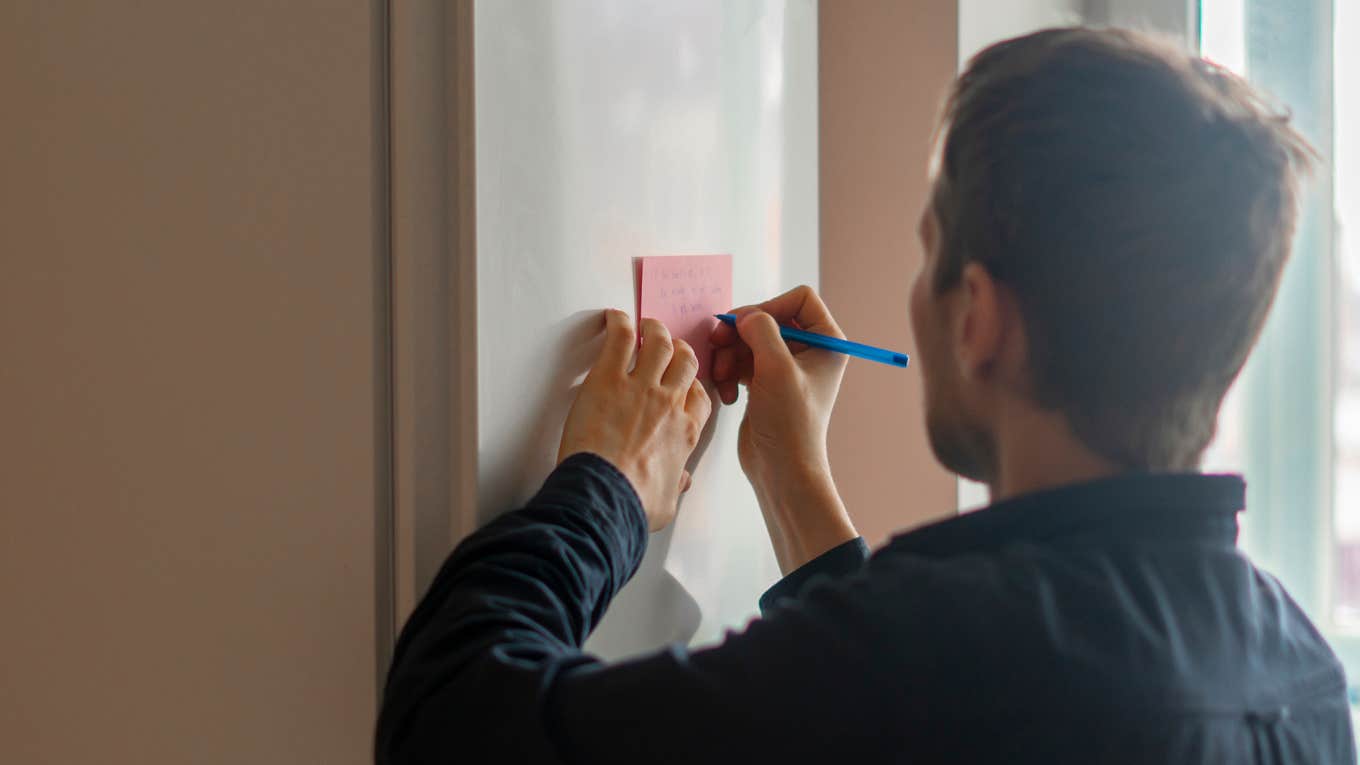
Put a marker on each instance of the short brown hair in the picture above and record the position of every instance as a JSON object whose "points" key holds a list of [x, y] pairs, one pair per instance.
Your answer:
{"points": [[1140, 203]]}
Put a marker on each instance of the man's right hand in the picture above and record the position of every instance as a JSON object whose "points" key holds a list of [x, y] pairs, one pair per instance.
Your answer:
{"points": [[782, 441]]}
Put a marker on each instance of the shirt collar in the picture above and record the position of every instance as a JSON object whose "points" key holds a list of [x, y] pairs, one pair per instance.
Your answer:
{"points": [[1129, 507]]}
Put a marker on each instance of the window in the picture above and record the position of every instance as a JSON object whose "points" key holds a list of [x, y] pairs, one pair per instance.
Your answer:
{"points": [[1291, 423], [1346, 422]]}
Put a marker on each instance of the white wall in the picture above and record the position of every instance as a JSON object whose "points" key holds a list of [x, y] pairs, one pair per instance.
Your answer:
{"points": [[605, 130]]}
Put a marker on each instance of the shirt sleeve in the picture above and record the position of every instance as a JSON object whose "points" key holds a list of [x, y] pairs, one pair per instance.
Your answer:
{"points": [[489, 667], [841, 560], [508, 611]]}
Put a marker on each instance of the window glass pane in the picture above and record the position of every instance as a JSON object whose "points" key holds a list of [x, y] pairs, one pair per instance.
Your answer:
{"points": [[1223, 33], [1279, 425], [1291, 423], [1346, 421], [1223, 41]]}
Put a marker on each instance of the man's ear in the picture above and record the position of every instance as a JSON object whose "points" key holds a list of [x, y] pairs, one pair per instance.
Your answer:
{"points": [[980, 325]]}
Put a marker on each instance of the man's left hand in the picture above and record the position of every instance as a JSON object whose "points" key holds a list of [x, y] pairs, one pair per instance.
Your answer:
{"points": [[645, 422]]}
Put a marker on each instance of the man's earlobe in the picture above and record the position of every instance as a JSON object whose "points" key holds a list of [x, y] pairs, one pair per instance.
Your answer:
{"points": [[980, 328]]}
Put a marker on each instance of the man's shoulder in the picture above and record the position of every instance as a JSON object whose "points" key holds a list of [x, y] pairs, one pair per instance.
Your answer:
{"points": [[1034, 632], [1180, 622]]}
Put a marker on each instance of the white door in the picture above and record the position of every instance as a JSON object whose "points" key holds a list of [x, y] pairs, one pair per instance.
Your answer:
{"points": [[609, 129]]}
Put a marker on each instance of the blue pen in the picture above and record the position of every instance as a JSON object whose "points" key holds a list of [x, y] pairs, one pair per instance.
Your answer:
{"points": [[881, 355]]}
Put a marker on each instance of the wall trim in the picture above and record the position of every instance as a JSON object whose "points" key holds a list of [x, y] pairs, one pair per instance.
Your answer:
{"points": [[433, 293]]}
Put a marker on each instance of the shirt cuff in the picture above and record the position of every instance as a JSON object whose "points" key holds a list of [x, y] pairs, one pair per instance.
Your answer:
{"points": [[841, 560], [611, 504]]}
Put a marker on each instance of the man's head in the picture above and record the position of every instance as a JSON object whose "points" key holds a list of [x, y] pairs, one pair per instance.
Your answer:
{"points": [[1106, 231]]}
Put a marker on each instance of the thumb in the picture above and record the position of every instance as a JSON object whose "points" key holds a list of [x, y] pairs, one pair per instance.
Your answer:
{"points": [[760, 332]]}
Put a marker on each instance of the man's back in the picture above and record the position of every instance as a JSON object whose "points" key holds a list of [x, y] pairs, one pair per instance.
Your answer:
{"points": [[1113, 621], [1116, 622]]}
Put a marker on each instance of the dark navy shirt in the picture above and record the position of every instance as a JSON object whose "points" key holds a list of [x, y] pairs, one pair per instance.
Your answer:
{"points": [[1108, 622]]}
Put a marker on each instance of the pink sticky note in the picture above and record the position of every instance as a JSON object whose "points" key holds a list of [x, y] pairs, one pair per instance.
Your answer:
{"points": [[684, 291]]}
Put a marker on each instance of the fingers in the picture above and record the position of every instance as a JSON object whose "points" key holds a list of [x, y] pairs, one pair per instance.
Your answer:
{"points": [[724, 334], [802, 305], [732, 361], [731, 357], [697, 403], [684, 365], [656, 351], [686, 480], [760, 332], [727, 392], [618, 342], [731, 366]]}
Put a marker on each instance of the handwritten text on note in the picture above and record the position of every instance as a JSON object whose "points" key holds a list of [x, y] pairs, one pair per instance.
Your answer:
{"points": [[684, 291]]}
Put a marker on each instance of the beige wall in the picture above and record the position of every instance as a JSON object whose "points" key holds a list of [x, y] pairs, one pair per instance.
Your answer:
{"points": [[192, 296], [884, 67]]}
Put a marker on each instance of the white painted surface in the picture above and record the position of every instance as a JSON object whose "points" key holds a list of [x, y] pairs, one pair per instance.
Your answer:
{"points": [[608, 129]]}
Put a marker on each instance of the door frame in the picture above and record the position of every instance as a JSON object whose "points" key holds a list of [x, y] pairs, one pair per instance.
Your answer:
{"points": [[432, 194]]}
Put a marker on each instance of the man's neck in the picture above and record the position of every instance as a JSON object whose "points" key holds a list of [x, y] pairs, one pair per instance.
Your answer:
{"points": [[1036, 450]]}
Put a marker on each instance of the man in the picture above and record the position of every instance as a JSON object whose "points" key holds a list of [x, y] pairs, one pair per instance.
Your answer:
{"points": [[1108, 223]]}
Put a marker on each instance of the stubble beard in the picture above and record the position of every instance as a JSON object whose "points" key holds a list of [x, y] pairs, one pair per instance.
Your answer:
{"points": [[959, 447]]}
